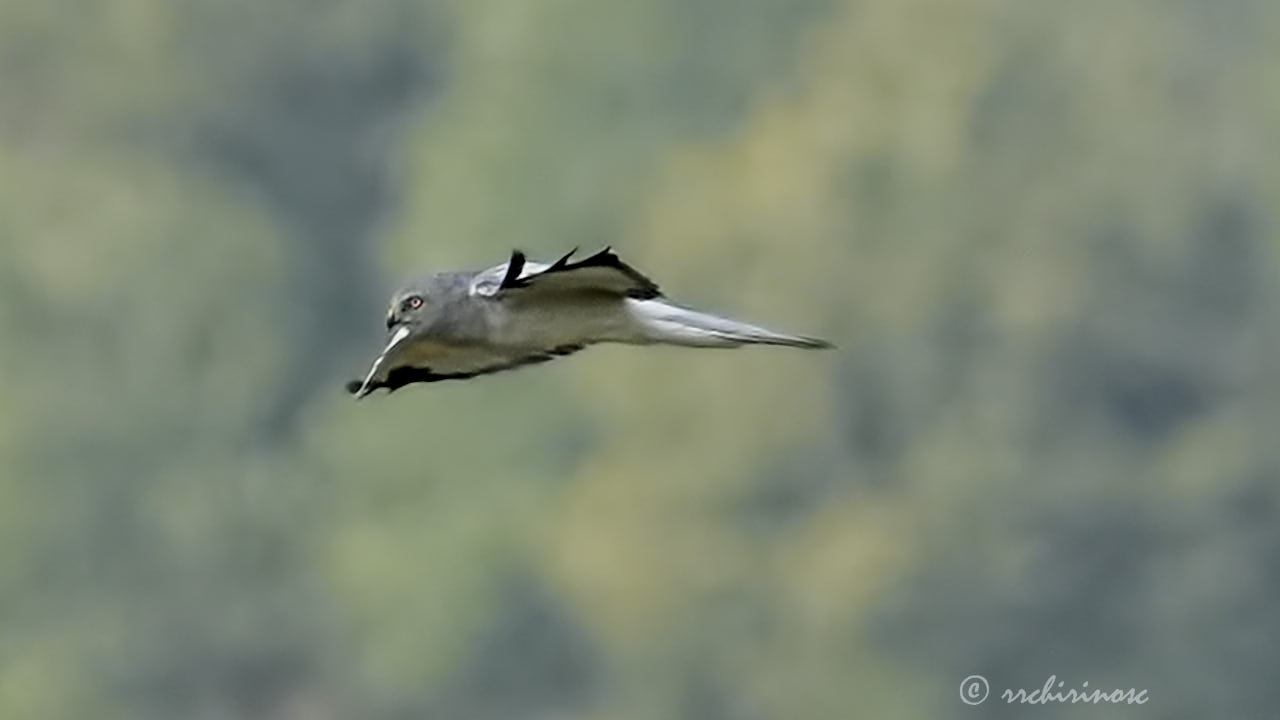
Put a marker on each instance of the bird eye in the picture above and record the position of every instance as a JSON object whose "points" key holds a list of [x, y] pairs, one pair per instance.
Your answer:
{"points": [[413, 303]]}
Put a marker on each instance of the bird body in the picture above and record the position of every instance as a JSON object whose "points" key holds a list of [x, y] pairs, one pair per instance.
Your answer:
{"points": [[458, 325]]}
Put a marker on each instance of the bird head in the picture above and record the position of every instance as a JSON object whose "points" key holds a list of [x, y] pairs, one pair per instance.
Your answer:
{"points": [[411, 312], [411, 307]]}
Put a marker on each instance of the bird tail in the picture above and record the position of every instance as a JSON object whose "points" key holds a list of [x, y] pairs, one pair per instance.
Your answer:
{"points": [[660, 321]]}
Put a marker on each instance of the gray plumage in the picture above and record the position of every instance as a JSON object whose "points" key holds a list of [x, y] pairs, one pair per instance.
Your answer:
{"points": [[458, 325]]}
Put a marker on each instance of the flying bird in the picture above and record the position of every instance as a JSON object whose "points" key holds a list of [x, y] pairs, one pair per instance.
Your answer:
{"points": [[457, 325]]}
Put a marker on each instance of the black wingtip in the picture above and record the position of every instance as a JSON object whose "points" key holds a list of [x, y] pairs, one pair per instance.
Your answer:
{"points": [[514, 267], [360, 390], [645, 289], [563, 261]]}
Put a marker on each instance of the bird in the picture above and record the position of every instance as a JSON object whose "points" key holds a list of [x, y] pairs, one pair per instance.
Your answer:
{"points": [[463, 324]]}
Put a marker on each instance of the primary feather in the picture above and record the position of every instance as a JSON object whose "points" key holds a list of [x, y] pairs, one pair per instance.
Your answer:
{"points": [[602, 272]]}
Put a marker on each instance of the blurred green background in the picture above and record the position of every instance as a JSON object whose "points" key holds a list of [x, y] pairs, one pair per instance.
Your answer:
{"points": [[1043, 234]]}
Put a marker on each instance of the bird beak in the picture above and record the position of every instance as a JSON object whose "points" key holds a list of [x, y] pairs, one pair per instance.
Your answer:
{"points": [[397, 337], [391, 319]]}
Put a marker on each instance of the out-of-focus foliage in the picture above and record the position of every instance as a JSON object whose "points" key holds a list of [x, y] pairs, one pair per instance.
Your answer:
{"points": [[1044, 236]]}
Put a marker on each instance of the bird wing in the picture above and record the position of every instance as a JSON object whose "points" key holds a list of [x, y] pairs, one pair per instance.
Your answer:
{"points": [[377, 369], [432, 363], [602, 272]]}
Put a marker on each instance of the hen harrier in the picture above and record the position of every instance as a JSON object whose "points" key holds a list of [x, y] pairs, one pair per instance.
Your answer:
{"points": [[457, 325]]}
